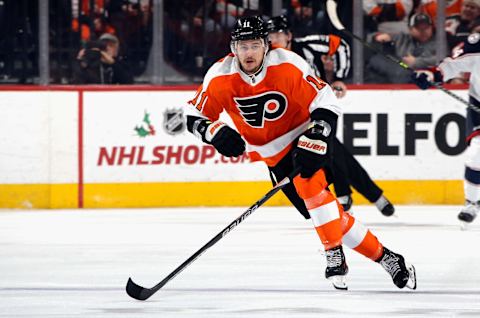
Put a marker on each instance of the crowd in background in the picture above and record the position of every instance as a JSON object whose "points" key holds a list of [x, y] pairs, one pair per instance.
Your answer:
{"points": [[115, 36]]}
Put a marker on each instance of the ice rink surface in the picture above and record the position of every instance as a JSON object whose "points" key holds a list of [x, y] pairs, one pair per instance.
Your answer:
{"points": [[76, 264]]}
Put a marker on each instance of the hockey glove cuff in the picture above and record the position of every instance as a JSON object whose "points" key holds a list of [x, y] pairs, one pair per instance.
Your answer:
{"points": [[226, 140]]}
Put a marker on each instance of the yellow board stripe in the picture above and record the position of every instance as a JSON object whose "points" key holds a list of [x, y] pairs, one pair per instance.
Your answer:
{"points": [[176, 194], [38, 196]]}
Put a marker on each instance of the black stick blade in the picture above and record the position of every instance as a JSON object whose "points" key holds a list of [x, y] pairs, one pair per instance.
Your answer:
{"points": [[136, 291]]}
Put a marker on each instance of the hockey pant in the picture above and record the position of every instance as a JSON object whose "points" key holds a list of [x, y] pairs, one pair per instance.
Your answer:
{"points": [[346, 171], [472, 162]]}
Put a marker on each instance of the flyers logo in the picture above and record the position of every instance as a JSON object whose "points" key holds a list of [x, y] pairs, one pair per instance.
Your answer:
{"points": [[256, 109]]}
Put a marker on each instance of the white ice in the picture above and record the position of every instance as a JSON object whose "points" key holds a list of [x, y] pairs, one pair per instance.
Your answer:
{"points": [[76, 264]]}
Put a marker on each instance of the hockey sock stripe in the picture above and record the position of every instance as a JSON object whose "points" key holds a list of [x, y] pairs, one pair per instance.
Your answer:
{"points": [[355, 235], [325, 213]]}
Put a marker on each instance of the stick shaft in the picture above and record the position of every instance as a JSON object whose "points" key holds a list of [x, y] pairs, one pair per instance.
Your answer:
{"points": [[142, 293]]}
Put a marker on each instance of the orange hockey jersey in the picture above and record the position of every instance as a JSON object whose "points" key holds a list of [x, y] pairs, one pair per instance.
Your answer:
{"points": [[269, 109]]}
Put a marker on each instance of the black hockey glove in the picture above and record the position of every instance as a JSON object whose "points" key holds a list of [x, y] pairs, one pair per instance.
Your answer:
{"points": [[425, 78], [226, 140], [313, 149]]}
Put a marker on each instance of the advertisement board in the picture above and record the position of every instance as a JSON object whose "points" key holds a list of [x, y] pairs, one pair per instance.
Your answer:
{"points": [[128, 147]]}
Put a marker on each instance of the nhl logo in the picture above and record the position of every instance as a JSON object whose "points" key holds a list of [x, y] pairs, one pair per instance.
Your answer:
{"points": [[173, 121]]}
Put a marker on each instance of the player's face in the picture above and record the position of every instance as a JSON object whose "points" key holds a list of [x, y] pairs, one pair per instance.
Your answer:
{"points": [[280, 39], [250, 54]]}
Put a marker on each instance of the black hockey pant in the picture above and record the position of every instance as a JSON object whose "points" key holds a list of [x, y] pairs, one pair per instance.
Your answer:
{"points": [[347, 172]]}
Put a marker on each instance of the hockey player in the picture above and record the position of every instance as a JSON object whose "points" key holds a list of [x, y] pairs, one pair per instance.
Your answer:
{"points": [[317, 50], [285, 116], [465, 59]]}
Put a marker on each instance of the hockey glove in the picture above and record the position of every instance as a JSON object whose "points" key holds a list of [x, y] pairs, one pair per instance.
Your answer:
{"points": [[314, 146], [226, 140], [425, 78]]}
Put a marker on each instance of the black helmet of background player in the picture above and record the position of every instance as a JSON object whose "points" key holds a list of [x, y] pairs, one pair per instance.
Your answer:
{"points": [[249, 28], [278, 24], [279, 31]]}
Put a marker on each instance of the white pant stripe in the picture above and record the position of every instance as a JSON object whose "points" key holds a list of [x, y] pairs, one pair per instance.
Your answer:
{"points": [[324, 214]]}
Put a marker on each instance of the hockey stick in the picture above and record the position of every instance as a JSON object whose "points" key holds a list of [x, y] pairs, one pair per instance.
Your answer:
{"points": [[332, 14], [142, 293]]}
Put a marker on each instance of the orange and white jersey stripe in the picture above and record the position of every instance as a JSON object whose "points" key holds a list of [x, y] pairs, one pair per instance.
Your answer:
{"points": [[269, 109]]}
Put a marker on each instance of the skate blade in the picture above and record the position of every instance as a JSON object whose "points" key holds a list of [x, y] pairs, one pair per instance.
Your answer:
{"points": [[412, 277], [464, 225], [339, 282]]}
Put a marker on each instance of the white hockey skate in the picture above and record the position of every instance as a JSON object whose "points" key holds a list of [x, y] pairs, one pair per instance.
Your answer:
{"points": [[468, 213], [337, 268]]}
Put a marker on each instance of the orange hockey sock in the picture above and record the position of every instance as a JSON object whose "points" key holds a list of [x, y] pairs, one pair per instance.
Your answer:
{"points": [[323, 208]]}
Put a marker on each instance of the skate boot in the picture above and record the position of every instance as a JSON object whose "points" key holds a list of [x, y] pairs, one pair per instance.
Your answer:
{"points": [[402, 274], [346, 202], [385, 206], [469, 211], [337, 268]]}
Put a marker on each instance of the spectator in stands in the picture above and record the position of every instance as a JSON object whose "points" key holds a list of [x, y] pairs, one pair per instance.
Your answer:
{"points": [[308, 16], [99, 63], [429, 7], [417, 49], [464, 77], [390, 16], [223, 13], [90, 22], [132, 22], [458, 27]]}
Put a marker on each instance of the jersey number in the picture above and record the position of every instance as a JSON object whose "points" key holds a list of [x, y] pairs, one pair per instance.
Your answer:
{"points": [[318, 83]]}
